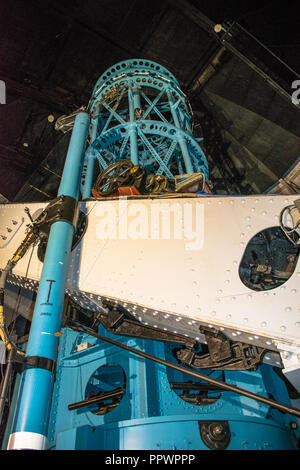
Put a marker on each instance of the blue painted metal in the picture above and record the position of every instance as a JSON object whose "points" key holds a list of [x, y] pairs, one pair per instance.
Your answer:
{"points": [[137, 111], [33, 405], [145, 117], [151, 415]]}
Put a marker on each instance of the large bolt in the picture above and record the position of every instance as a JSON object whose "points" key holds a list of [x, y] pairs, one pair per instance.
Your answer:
{"points": [[218, 429]]}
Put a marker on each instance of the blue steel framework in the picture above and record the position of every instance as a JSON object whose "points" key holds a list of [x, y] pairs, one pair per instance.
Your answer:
{"points": [[139, 112]]}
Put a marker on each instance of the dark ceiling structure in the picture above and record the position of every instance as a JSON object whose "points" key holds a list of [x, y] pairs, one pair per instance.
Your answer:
{"points": [[52, 53]]}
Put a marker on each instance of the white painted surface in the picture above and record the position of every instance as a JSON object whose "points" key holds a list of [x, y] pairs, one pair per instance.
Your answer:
{"points": [[172, 286]]}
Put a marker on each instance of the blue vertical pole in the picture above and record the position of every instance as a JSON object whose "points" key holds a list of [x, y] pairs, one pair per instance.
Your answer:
{"points": [[136, 98], [182, 143], [32, 416], [132, 128], [91, 157], [95, 123], [89, 176]]}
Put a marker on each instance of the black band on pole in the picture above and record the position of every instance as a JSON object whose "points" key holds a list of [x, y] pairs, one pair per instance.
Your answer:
{"points": [[62, 208], [39, 362]]}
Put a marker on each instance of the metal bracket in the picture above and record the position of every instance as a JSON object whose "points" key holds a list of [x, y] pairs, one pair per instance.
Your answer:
{"points": [[64, 208], [222, 354], [119, 321], [79, 231]]}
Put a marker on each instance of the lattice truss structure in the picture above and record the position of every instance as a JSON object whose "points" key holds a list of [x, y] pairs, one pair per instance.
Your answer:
{"points": [[140, 113]]}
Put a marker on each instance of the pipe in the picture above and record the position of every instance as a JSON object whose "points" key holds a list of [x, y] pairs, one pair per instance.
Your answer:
{"points": [[136, 98], [132, 130], [32, 415], [95, 123], [89, 176], [181, 140], [6, 380]]}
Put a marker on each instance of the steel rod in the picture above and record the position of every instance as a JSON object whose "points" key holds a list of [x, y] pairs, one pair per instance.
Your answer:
{"points": [[223, 385], [96, 399], [6, 380]]}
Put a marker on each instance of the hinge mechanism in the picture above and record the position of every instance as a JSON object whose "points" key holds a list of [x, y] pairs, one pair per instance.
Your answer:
{"points": [[222, 354]]}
